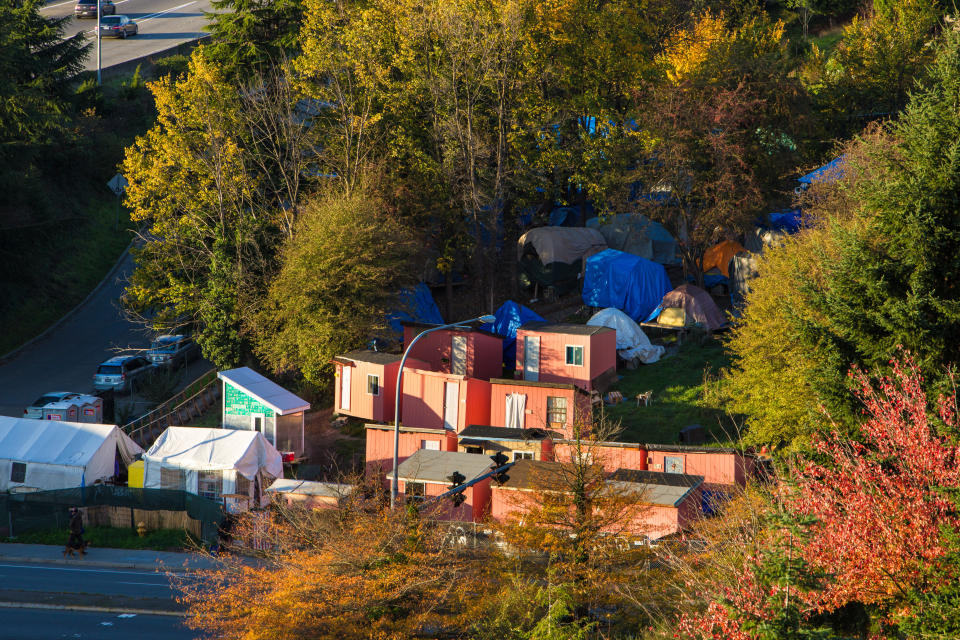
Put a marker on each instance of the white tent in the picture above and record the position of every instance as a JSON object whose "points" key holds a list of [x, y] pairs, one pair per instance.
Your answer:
{"points": [[214, 463], [49, 455], [632, 342]]}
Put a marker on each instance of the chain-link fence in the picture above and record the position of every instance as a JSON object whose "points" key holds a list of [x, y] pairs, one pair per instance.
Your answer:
{"points": [[37, 510]]}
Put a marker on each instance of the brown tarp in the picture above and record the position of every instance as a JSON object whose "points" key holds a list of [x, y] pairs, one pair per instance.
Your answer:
{"points": [[697, 305], [719, 255]]}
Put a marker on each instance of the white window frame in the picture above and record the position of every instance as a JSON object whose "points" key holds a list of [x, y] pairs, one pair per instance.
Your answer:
{"points": [[522, 455], [263, 422], [566, 354], [565, 410], [377, 378], [210, 480], [430, 445]]}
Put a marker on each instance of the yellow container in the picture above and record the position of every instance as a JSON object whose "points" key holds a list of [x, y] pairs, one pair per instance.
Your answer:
{"points": [[135, 475]]}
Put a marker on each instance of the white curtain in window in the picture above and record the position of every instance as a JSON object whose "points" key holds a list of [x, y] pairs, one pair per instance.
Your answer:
{"points": [[516, 404]]}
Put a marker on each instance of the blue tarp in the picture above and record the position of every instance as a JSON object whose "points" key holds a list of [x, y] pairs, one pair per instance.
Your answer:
{"points": [[415, 305], [789, 221], [627, 282], [830, 172], [511, 316]]}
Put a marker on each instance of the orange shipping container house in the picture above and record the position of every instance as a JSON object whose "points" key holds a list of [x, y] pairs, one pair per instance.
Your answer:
{"points": [[518, 404], [722, 469], [437, 400], [567, 353], [426, 474], [379, 458], [468, 352], [654, 504], [366, 382], [516, 444]]}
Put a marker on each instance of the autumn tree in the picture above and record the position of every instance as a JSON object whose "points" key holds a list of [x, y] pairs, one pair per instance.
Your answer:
{"points": [[215, 183], [340, 274]]}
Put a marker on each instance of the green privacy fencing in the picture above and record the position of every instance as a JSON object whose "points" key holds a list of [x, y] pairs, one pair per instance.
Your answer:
{"points": [[38, 510]]}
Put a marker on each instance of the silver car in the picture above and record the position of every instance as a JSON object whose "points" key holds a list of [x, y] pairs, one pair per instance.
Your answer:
{"points": [[35, 410], [117, 27], [122, 373], [173, 351]]}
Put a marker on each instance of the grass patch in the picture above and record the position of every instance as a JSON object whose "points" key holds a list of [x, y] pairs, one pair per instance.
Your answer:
{"points": [[114, 538], [686, 390]]}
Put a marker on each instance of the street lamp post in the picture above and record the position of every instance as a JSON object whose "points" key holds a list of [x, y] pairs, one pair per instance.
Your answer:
{"points": [[98, 41], [395, 486]]}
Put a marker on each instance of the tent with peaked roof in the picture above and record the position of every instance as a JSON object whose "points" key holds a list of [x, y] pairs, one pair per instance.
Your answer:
{"points": [[632, 342], [54, 454], [698, 306], [719, 255], [553, 256]]}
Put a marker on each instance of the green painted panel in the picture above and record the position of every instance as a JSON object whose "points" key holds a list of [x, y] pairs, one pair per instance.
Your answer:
{"points": [[238, 403]]}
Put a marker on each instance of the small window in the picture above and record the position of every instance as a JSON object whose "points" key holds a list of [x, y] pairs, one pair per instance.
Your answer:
{"points": [[556, 411], [574, 355], [242, 485], [18, 472], [210, 484], [522, 455], [414, 490], [173, 479], [475, 450], [373, 385], [430, 445]]}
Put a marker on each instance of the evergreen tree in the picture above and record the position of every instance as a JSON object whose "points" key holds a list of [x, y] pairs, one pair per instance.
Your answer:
{"points": [[249, 35]]}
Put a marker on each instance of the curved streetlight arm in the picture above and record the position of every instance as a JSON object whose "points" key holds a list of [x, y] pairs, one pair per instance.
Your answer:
{"points": [[395, 483]]}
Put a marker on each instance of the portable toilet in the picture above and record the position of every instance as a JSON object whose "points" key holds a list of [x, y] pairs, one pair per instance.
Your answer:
{"points": [[135, 474], [65, 411], [91, 409]]}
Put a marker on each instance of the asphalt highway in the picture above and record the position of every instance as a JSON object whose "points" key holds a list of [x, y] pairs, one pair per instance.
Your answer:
{"points": [[27, 576], [163, 24], [47, 624]]}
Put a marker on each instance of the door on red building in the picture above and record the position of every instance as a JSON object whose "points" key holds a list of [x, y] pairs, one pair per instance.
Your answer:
{"points": [[531, 358], [458, 355], [451, 405], [345, 388], [673, 464]]}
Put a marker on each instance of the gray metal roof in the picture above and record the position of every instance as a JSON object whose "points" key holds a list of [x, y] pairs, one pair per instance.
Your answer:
{"points": [[367, 355], [657, 487], [310, 488], [436, 466], [485, 432], [264, 390], [564, 327]]}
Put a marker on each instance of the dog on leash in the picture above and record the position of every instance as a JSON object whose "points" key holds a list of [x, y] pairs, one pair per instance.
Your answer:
{"points": [[73, 550]]}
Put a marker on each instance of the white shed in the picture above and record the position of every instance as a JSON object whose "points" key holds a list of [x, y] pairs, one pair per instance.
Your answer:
{"points": [[52, 454], [220, 464], [253, 402]]}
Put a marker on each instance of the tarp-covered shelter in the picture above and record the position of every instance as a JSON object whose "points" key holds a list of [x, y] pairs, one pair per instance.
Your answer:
{"points": [[698, 307], [509, 317], [637, 234], [220, 464], [830, 172], [624, 281], [632, 342], [416, 305], [553, 256], [53, 454], [719, 255]]}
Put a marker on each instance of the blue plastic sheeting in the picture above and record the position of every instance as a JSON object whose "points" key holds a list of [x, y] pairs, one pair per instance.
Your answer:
{"points": [[710, 280], [789, 221], [627, 282], [511, 316], [830, 172], [415, 305]]}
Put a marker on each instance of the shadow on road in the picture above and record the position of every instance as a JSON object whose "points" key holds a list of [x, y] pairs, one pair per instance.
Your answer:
{"points": [[169, 36], [153, 15]]}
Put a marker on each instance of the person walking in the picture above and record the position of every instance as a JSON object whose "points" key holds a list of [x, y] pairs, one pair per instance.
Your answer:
{"points": [[75, 543]]}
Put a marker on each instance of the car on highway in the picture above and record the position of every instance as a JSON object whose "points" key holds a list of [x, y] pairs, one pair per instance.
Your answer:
{"points": [[117, 27], [122, 373], [173, 351], [35, 410], [89, 8]]}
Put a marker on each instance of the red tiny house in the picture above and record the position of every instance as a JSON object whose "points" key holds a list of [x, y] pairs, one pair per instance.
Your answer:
{"points": [[468, 351], [437, 400], [567, 353], [379, 451], [426, 475], [521, 404], [365, 384], [720, 468]]}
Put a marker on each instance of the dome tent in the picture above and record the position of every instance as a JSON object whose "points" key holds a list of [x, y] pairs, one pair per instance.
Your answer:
{"points": [[698, 306], [632, 342], [637, 234]]}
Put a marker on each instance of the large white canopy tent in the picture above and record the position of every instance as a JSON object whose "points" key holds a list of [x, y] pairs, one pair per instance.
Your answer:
{"points": [[214, 463], [51, 454]]}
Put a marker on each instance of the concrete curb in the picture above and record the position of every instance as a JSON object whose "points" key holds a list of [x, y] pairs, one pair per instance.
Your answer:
{"points": [[80, 607], [7, 357]]}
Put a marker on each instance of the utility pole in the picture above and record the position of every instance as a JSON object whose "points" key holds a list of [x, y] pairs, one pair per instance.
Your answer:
{"points": [[99, 4]]}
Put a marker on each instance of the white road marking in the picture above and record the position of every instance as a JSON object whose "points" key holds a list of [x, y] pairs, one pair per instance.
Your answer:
{"points": [[53, 6], [30, 566], [160, 13], [127, 615], [149, 584]]}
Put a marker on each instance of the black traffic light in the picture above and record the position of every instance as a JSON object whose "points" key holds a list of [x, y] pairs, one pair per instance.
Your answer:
{"points": [[498, 461], [456, 479]]}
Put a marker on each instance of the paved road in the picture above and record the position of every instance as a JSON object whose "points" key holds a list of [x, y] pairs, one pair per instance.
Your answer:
{"points": [[27, 576], [67, 359], [45, 624], [163, 24]]}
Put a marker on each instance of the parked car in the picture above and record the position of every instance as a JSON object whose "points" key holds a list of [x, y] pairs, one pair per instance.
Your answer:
{"points": [[35, 410], [173, 351], [89, 8], [117, 27], [122, 373]]}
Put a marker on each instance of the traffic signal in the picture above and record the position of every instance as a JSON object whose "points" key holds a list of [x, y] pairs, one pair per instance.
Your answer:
{"points": [[456, 479], [498, 461]]}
